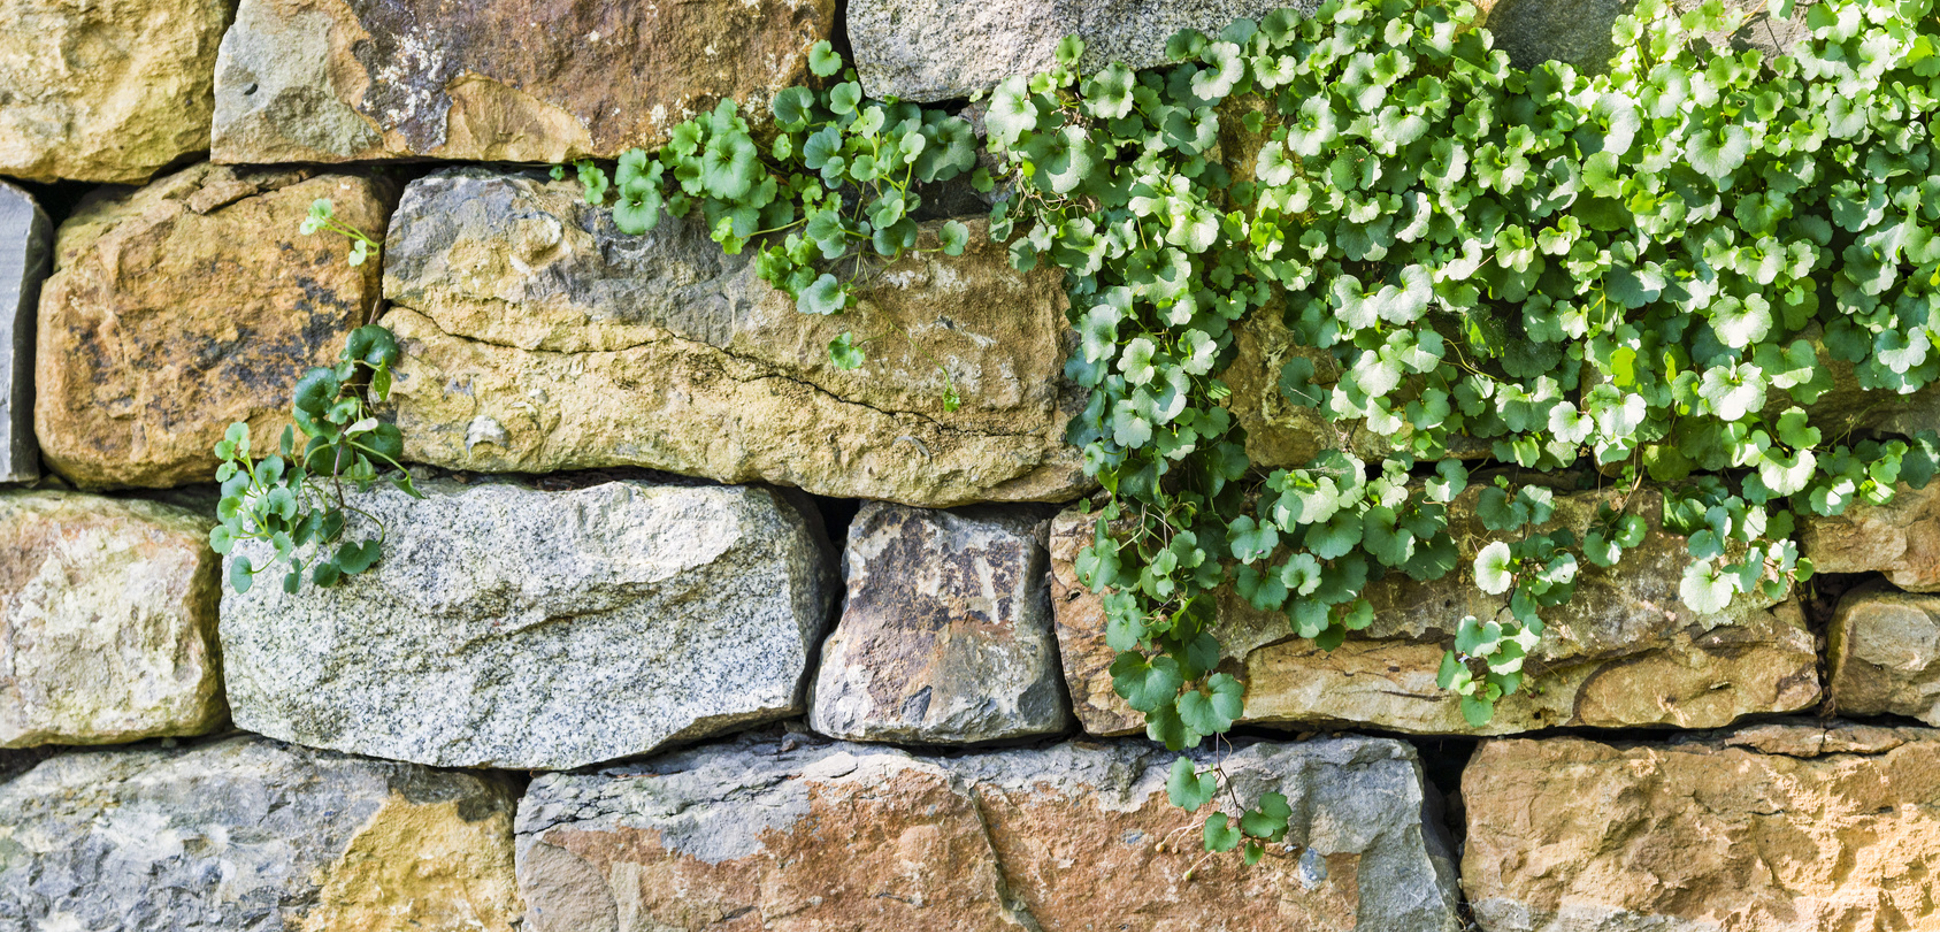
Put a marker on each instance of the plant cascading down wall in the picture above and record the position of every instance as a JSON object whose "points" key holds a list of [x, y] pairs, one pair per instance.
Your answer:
{"points": [[1649, 274]]}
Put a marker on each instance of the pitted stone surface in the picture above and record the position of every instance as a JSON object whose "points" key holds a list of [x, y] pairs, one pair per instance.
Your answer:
{"points": [[107, 621], [538, 338], [1623, 652], [249, 834], [1058, 839], [1779, 828], [183, 306], [495, 80], [509, 627], [26, 245], [113, 91], [945, 637]]}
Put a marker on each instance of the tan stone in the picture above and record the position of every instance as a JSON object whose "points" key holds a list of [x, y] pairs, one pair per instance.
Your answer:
{"points": [[107, 621], [178, 308], [1571, 835], [1623, 652], [538, 338], [335, 81], [1883, 653], [423, 863], [105, 91], [1900, 539]]}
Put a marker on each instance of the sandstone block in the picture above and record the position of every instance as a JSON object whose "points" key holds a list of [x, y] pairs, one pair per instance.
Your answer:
{"points": [[26, 242], [252, 834], [111, 91], [1900, 539], [1884, 654], [107, 621], [183, 306], [792, 836], [1623, 652], [509, 627], [538, 338], [495, 80], [946, 634], [1790, 828]]}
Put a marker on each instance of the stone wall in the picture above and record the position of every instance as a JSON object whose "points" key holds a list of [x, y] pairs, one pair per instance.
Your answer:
{"points": [[693, 630]]}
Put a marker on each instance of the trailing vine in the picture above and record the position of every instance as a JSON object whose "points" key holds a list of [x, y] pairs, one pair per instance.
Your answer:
{"points": [[1654, 272]]}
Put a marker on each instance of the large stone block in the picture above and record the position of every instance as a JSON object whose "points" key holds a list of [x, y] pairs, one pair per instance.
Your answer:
{"points": [[1779, 828], [180, 307], [795, 836], [107, 621], [1623, 652], [539, 338], [1900, 539], [945, 637], [26, 244], [251, 834], [1884, 654], [495, 80], [111, 91], [509, 627], [938, 49]]}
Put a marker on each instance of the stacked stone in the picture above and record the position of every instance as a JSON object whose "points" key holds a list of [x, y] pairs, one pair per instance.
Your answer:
{"points": [[627, 700]]}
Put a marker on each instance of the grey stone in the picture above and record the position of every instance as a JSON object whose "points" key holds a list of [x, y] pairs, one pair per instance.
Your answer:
{"points": [[744, 828], [1577, 32], [1884, 653], [248, 834], [26, 244], [929, 50], [946, 635], [510, 627]]}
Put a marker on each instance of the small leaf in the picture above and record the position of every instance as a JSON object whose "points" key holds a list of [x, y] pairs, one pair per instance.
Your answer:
{"points": [[844, 352], [822, 59]]}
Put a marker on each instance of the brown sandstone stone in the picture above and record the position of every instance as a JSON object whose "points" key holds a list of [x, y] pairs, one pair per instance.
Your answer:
{"points": [[1571, 835], [1623, 652], [180, 307], [105, 91], [1900, 539], [342, 80], [1884, 653]]}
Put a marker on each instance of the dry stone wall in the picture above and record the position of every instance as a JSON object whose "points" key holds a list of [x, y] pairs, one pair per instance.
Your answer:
{"points": [[694, 630]]}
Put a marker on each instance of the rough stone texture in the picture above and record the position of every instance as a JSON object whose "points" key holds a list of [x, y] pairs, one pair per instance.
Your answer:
{"points": [[946, 634], [26, 243], [1900, 539], [1884, 654], [1566, 834], [930, 50], [251, 834], [186, 305], [539, 338], [1578, 31], [497, 80], [794, 836], [107, 621], [108, 91], [1623, 652], [509, 627]]}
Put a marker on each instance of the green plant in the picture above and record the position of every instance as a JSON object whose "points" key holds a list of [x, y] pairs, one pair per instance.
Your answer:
{"points": [[323, 217], [296, 502]]}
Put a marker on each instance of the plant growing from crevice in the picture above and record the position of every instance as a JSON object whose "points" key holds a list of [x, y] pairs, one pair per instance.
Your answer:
{"points": [[323, 218]]}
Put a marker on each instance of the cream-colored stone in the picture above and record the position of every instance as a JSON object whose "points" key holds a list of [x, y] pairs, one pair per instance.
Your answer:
{"points": [[1883, 653], [1900, 539], [111, 90], [107, 621]]}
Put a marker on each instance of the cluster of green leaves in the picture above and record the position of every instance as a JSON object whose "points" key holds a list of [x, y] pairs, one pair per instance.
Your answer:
{"points": [[1654, 272], [323, 217], [832, 197], [295, 500]]}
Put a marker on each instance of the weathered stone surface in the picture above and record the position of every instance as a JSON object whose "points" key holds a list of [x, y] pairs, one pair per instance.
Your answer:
{"points": [[739, 836], [1623, 652], [339, 80], [1900, 539], [186, 305], [251, 834], [539, 338], [510, 627], [946, 634], [111, 91], [1577, 32], [1566, 834], [26, 244], [107, 621], [938, 49], [1884, 654]]}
